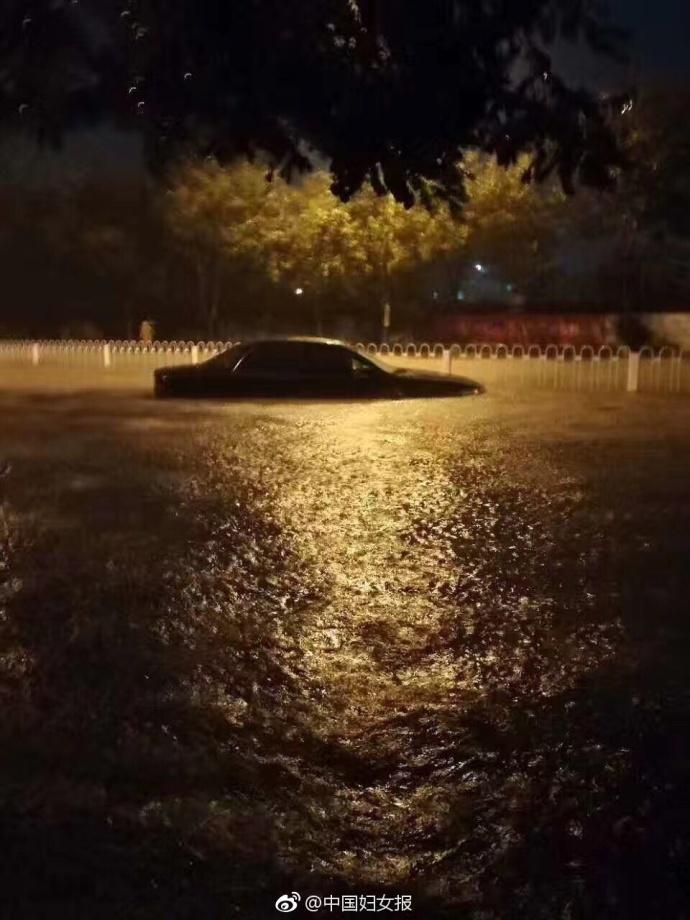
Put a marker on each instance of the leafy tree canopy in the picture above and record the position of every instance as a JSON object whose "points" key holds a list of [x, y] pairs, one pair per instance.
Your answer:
{"points": [[387, 92], [656, 189], [299, 235]]}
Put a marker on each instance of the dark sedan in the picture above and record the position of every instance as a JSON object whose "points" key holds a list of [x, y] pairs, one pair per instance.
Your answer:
{"points": [[303, 368]]}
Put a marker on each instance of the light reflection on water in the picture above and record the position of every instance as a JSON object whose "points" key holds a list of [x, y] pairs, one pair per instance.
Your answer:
{"points": [[382, 644], [442, 585]]}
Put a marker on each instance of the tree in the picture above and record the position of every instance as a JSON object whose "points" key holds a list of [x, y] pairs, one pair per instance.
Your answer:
{"points": [[643, 225], [654, 129], [388, 94], [356, 245], [393, 239], [87, 255], [511, 225], [652, 214], [308, 242], [230, 221], [116, 237], [216, 217]]}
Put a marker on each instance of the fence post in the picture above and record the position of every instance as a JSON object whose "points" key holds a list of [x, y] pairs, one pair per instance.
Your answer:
{"points": [[446, 361], [107, 358], [195, 354], [35, 353], [633, 372]]}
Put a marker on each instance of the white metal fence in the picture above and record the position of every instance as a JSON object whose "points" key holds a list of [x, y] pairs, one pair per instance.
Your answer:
{"points": [[664, 370]]}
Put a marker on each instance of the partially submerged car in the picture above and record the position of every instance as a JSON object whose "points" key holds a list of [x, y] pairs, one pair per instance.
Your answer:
{"points": [[307, 368]]}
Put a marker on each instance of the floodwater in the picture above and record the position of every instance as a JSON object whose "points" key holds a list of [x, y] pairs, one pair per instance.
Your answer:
{"points": [[434, 647]]}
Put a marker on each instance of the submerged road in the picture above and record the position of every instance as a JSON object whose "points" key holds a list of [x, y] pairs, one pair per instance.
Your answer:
{"points": [[434, 648]]}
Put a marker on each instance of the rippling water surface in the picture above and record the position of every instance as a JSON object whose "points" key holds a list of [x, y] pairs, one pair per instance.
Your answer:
{"points": [[435, 647]]}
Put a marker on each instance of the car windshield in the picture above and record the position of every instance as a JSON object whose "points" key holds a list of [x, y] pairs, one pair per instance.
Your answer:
{"points": [[370, 359], [227, 358]]}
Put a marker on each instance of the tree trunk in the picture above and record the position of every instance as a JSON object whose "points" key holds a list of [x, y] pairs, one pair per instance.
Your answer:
{"points": [[385, 318], [318, 318], [214, 300], [385, 299], [201, 277]]}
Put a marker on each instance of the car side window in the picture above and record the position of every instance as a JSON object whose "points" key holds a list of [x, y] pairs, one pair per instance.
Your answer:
{"points": [[361, 367], [270, 359], [326, 360], [306, 359], [226, 359]]}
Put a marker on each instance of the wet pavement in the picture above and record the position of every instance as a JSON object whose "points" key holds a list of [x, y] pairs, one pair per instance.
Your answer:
{"points": [[433, 647]]}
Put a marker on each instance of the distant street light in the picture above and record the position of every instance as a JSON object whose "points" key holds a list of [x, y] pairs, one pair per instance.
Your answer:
{"points": [[299, 291], [479, 267]]}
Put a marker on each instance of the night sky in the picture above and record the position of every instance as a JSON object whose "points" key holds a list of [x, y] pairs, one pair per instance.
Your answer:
{"points": [[659, 47], [661, 40]]}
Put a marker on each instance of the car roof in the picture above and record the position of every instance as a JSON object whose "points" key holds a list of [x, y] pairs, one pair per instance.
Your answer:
{"points": [[312, 339]]}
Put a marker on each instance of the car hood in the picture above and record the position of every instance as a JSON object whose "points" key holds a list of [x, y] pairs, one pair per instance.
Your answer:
{"points": [[436, 377], [178, 370]]}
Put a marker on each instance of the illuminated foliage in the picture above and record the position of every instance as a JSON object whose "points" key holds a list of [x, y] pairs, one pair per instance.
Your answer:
{"points": [[300, 235], [511, 224], [214, 215]]}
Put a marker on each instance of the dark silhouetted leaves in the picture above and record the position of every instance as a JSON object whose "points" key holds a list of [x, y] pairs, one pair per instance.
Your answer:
{"points": [[388, 93]]}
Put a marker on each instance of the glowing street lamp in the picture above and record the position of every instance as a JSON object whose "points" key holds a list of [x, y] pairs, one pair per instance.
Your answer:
{"points": [[299, 291]]}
